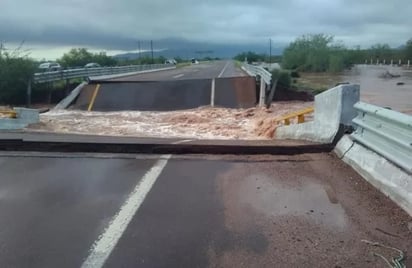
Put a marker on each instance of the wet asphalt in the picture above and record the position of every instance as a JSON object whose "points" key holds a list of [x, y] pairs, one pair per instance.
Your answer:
{"points": [[203, 70], [305, 210]]}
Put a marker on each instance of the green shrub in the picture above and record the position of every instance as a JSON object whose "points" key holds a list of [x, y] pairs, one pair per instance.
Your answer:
{"points": [[15, 72], [283, 76], [294, 74], [336, 64]]}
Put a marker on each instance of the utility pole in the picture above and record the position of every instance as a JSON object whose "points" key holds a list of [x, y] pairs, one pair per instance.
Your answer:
{"points": [[270, 52], [151, 48], [138, 44]]}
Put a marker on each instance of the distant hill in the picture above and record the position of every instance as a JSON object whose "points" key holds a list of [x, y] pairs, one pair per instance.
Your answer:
{"points": [[171, 48]]}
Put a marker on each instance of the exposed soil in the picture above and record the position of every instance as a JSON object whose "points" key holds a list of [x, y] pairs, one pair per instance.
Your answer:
{"points": [[285, 94]]}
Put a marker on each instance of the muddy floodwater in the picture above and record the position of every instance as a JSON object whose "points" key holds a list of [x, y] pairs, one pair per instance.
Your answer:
{"points": [[200, 123], [377, 85], [389, 92]]}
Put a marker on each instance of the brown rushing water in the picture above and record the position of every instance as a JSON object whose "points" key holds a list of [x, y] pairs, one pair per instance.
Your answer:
{"points": [[374, 88], [383, 91]]}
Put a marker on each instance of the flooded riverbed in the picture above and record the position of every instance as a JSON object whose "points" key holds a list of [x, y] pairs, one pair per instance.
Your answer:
{"points": [[383, 91], [375, 89]]}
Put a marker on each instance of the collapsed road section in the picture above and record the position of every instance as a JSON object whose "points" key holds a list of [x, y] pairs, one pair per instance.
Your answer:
{"points": [[234, 92], [221, 108], [110, 201]]}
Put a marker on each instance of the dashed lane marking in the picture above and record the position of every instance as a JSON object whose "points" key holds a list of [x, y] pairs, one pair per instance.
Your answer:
{"points": [[178, 75], [224, 69]]}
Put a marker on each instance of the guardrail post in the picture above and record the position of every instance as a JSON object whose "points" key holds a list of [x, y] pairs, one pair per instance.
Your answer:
{"points": [[262, 92], [67, 87], [28, 96], [212, 93]]}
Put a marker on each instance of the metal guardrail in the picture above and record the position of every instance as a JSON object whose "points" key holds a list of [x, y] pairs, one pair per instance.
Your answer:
{"points": [[386, 132], [8, 113], [299, 114], [88, 72], [254, 70]]}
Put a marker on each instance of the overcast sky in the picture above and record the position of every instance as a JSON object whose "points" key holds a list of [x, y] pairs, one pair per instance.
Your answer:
{"points": [[52, 26]]}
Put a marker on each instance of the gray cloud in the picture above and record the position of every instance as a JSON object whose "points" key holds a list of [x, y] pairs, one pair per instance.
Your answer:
{"points": [[117, 25]]}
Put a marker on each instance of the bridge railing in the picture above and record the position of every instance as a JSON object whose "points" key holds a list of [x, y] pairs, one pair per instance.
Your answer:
{"points": [[387, 132], [265, 79], [300, 115], [254, 70], [89, 72]]}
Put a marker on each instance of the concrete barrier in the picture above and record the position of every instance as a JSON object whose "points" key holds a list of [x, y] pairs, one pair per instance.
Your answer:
{"points": [[333, 111], [378, 171], [63, 104], [24, 118]]}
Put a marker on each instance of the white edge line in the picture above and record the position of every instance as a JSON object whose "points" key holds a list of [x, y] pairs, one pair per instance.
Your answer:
{"points": [[106, 242], [223, 70], [212, 93], [181, 141]]}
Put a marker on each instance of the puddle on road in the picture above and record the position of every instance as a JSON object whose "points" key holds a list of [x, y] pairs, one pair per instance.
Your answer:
{"points": [[311, 200]]}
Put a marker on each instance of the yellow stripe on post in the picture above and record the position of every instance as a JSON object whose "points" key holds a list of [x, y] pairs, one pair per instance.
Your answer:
{"points": [[299, 114], [9, 113], [96, 90]]}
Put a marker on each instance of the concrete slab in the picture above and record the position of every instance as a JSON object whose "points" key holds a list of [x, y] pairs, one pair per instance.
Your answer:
{"points": [[333, 109], [381, 173], [53, 142], [24, 117], [235, 92], [209, 211], [153, 96]]}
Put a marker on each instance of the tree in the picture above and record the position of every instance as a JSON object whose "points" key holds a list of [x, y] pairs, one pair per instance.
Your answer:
{"points": [[380, 52], [78, 57], [15, 71], [250, 56], [408, 50], [104, 60], [308, 53]]}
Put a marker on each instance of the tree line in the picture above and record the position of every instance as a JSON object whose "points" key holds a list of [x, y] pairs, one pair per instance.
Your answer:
{"points": [[320, 53], [17, 68]]}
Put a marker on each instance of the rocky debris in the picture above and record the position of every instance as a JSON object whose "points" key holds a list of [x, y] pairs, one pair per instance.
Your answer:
{"points": [[387, 74]]}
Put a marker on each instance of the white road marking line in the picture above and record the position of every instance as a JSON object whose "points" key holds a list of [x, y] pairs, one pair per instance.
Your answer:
{"points": [[223, 70], [106, 242], [178, 75], [212, 93], [182, 141]]}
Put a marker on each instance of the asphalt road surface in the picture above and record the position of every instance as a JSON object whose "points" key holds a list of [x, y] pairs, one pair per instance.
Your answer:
{"points": [[101, 210], [178, 89], [203, 70]]}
